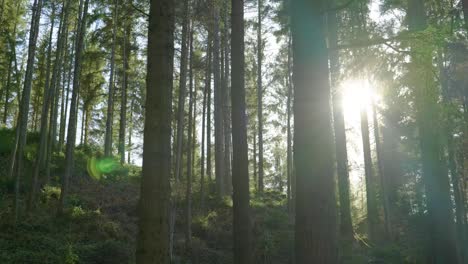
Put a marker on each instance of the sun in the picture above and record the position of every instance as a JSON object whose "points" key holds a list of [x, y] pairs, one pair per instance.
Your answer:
{"points": [[357, 95]]}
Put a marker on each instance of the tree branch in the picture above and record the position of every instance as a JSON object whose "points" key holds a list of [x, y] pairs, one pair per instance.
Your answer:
{"points": [[138, 9]]}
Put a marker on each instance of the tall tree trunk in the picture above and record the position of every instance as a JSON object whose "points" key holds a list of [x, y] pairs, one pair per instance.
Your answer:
{"points": [[202, 152], [443, 247], [315, 229], [240, 161], [226, 107], [123, 103], [346, 225], [130, 132], [12, 58], [382, 176], [64, 113], [22, 123], [209, 171], [110, 99], [218, 106], [39, 162], [260, 96], [255, 175], [289, 134], [371, 198], [72, 121], [182, 91], [190, 146], [153, 234]]}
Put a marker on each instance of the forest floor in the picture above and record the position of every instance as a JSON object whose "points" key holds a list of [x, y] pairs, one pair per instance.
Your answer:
{"points": [[100, 227]]}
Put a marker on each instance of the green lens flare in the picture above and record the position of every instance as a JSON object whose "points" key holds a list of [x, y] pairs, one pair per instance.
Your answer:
{"points": [[98, 167]]}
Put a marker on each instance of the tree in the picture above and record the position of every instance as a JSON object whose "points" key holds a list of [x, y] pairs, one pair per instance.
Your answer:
{"points": [[346, 225], [110, 98], [443, 246], [71, 133], [315, 230], [218, 107], [260, 96], [240, 161], [153, 234], [182, 92], [22, 123]]}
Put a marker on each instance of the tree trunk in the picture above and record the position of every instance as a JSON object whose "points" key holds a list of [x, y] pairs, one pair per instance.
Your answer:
{"points": [[39, 162], [190, 146], [63, 119], [209, 170], [123, 103], [371, 198], [443, 247], [240, 164], [72, 123], [218, 107], [226, 106], [289, 134], [153, 234], [260, 96], [182, 92], [315, 229], [204, 121], [12, 57], [110, 98], [382, 176], [22, 123], [346, 225]]}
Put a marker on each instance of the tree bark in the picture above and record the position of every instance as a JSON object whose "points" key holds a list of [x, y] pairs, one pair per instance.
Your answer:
{"points": [[110, 99], [346, 225], [190, 146], [182, 92], [218, 107], [260, 96], [46, 102], [372, 211], [315, 229], [123, 103], [443, 247], [240, 165], [71, 133], [382, 176], [226, 106], [22, 123], [153, 234]]}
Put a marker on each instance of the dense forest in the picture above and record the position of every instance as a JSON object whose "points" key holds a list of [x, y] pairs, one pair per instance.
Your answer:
{"points": [[242, 131]]}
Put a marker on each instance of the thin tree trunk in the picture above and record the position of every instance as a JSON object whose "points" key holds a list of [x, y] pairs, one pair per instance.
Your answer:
{"points": [[209, 170], [289, 133], [372, 212], [190, 146], [240, 174], [315, 228], [346, 226], [260, 96], [130, 132], [383, 186], [110, 99], [41, 151], [218, 108], [182, 91], [72, 123], [123, 103], [12, 57], [22, 123], [63, 119], [226, 108], [204, 122]]}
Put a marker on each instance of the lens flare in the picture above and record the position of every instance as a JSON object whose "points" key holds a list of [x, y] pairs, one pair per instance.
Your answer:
{"points": [[99, 167]]}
